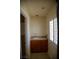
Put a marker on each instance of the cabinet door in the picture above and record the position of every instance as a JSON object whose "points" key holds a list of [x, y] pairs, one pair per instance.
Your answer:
{"points": [[44, 45], [35, 46]]}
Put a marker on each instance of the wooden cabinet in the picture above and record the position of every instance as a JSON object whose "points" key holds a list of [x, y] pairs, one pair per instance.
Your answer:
{"points": [[44, 45], [35, 45], [39, 45]]}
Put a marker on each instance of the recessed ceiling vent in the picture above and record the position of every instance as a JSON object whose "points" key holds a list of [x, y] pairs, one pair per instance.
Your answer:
{"points": [[37, 15], [42, 8]]}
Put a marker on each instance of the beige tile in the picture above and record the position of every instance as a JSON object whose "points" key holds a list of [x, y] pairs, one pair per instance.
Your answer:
{"points": [[39, 56]]}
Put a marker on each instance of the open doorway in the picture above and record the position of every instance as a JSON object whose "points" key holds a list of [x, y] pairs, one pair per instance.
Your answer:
{"points": [[39, 33]]}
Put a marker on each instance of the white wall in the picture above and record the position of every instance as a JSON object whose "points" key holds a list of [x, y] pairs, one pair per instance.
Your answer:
{"points": [[27, 29], [38, 26], [52, 48]]}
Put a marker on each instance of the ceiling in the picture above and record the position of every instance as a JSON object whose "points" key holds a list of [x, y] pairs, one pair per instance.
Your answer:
{"points": [[37, 7]]}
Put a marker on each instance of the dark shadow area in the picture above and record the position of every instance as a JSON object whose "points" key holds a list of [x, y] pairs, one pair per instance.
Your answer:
{"points": [[23, 47]]}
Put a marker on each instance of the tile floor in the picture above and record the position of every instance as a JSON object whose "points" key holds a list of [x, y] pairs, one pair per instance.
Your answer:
{"points": [[39, 56]]}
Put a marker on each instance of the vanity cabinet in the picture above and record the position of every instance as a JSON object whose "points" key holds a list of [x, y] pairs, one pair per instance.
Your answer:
{"points": [[39, 45]]}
